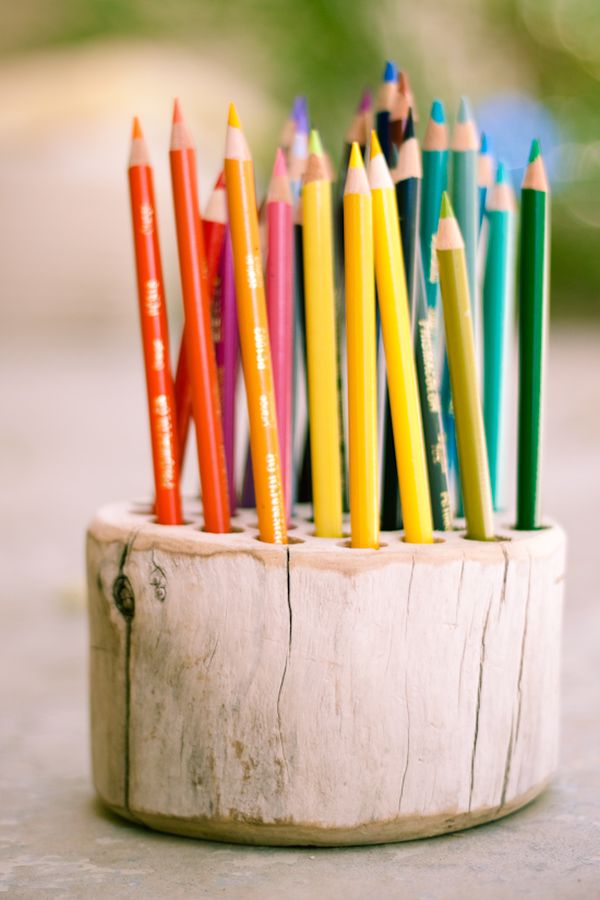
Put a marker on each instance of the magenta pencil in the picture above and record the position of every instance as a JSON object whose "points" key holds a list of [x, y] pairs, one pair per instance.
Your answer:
{"points": [[225, 328], [280, 310]]}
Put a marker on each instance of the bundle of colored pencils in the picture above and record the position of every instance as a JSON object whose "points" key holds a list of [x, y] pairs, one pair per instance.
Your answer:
{"points": [[400, 237]]}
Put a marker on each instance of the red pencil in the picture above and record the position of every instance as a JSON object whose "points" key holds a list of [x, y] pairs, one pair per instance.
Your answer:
{"points": [[280, 311], [200, 352], [213, 229], [155, 333]]}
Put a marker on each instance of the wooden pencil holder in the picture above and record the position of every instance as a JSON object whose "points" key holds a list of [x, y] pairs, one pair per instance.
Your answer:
{"points": [[314, 694]]}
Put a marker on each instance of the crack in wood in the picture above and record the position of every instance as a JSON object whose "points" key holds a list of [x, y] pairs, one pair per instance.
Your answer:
{"points": [[505, 576], [403, 782], [125, 602], [460, 582], [410, 581], [287, 659], [478, 707], [507, 766], [522, 660]]}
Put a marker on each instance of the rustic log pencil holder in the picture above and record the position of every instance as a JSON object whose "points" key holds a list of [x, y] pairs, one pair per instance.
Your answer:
{"points": [[315, 694]]}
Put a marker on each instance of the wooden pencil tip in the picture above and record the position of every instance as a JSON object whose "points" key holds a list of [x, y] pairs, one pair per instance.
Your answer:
{"points": [[177, 114], [535, 150], [314, 145], [356, 160], [136, 131], [279, 168], [446, 211], [233, 119], [375, 148]]}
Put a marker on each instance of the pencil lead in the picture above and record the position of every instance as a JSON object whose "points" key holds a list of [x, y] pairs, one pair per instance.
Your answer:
{"points": [[501, 173], [220, 182], [366, 101], [464, 111], [314, 145], [375, 148], [535, 150], [356, 160], [280, 168], [390, 73], [483, 147], [177, 114], [437, 112], [409, 129], [136, 131], [233, 119], [446, 211]]}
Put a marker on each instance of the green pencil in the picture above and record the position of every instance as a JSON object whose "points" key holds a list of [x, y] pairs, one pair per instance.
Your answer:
{"points": [[460, 348], [498, 302], [533, 312], [465, 195]]}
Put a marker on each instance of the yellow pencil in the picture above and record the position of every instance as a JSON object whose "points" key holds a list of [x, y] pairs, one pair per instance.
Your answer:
{"points": [[400, 363], [254, 334], [321, 347], [360, 337]]}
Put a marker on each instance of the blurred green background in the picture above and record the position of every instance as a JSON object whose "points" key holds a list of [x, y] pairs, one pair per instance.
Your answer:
{"points": [[73, 71]]}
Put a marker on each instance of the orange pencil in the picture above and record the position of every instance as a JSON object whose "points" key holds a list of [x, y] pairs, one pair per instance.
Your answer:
{"points": [[213, 228], [155, 334], [200, 353], [254, 334]]}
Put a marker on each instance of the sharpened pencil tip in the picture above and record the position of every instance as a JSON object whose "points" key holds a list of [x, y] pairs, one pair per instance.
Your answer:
{"points": [[136, 131], [233, 119], [535, 150], [375, 148], [483, 147], [390, 73], [437, 112], [280, 168], [177, 114], [409, 128], [220, 182], [366, 101], [501, 173], [314, 144], [356, 160], [464, 111], [446, 211]]}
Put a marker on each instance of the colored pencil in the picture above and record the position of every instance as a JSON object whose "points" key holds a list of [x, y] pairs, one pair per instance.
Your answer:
{"points": [[198, 333], [289, 128], [225, 329], [401, 373], [321, 344], [155, 333], [298, 154], [385, 102], [254, 334], [213, 230], [435, 182], [360, 337], [460, 346], [498, 304], [280, 311], [405, 89], [533, 315], [465, 200], [485, 175], [398, 117]]}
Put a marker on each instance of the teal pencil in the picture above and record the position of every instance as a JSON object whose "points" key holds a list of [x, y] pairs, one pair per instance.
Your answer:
{"points": [[435, 182], [485, 176], [465, 195], [498, 304]]}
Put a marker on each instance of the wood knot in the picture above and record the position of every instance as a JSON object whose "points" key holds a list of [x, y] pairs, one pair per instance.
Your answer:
{"points": [[123, 596]]}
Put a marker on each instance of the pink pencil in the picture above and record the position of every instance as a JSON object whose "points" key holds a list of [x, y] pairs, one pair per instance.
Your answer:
{"points": [[225, 330], [280, 289]]}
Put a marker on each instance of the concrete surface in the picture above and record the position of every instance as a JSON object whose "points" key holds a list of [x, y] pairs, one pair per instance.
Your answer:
{"points": [[73, 437]]}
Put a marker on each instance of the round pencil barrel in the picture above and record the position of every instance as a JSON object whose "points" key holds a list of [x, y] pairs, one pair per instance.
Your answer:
{"points": [[320, 318], [360, 338], [460, 347], [254, 335], [225, 329], [435, 182], [198, 331], [533, 306], [155, 336]]}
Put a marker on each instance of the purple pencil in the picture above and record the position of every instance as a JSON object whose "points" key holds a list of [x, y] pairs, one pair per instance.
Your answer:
{"points": [[227, 354]]}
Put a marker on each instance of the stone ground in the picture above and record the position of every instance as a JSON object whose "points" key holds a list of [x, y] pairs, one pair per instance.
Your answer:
{"points": [[73, 438]]}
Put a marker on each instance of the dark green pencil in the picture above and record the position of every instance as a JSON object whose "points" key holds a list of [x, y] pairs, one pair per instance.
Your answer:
{"points": [[533, 312]]}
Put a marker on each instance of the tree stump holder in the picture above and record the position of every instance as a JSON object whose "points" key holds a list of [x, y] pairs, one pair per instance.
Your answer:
{"points": [[314, 694]]}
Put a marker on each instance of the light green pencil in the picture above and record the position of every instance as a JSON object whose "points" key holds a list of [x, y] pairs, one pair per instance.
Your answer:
{"points": [[460, 349]]}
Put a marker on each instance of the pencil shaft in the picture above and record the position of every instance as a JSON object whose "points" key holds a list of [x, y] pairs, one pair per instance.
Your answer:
{"points": [[435, 182], [225, 329], [533, 306]]}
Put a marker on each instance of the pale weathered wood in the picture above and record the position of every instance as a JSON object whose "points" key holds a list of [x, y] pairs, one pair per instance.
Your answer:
{"points": [[314, 694]]}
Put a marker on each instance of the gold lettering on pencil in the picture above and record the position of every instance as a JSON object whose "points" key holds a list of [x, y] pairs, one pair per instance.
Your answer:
{"points": [[158, 360], [446, 510], [146, 218], [152, 298], [275, 498], [434, 275], [261, 344], [253, 271], [217, 312], [164, 432], [433, 397]]}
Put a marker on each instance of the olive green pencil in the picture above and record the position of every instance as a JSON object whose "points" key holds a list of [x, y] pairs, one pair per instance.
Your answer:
{"points": [[460, 349], [533, 312]]}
